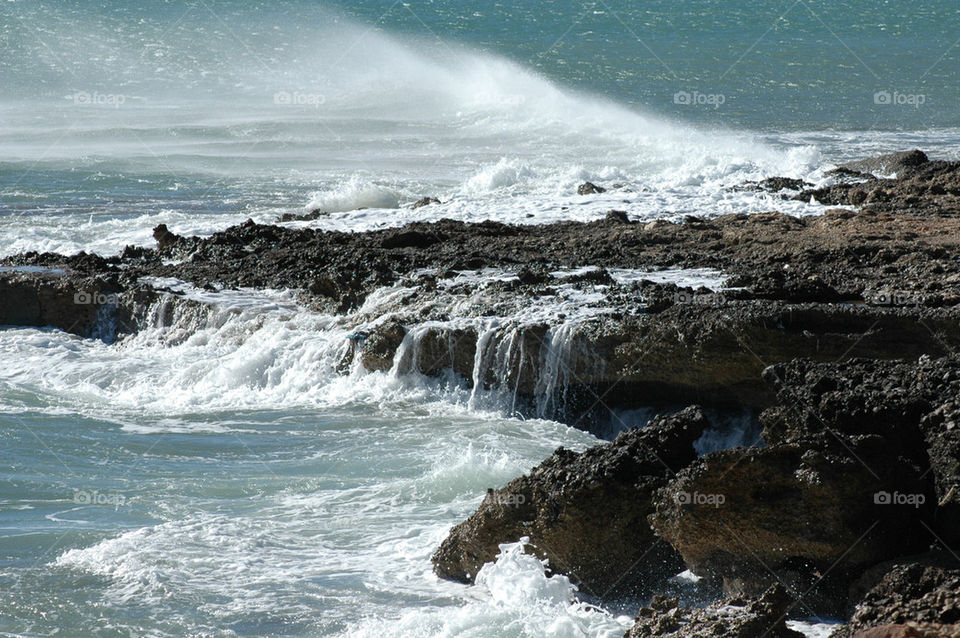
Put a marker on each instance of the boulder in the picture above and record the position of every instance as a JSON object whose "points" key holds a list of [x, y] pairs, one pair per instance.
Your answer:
{"points": [[810, 513], [589, 188], [738, 617], [584, 512], [425, 201], [913, 597], [617, 217], [379, 347], [886, 164]]}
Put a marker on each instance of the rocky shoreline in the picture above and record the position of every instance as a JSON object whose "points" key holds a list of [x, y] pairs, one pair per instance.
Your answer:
{"points": [[838, 333]]}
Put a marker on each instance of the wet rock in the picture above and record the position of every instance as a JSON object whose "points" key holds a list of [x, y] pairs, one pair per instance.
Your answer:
{"points": [[775, 184], [890, 163], [379, 347], [911, 405], [739, 617], [424, 201], [617, 217], [410, 239], [60, 298], [941, 433], [316, 213], [585, 512], [910, 630], [589, 188], [811, 513], [925, 599]]}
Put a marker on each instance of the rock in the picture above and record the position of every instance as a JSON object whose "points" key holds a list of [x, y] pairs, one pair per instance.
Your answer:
{"points": [[774, 184], [589, 188], [924, 598], [739, 617], [912, 406], [316, 213], [530, 277], [856, 196], [61, 298], [617, 217], [941, 433], [890, 163], [410, 239], [379, 347], [424, 201], [165, 239], [584, 512], [911, 630], [810, 513]]}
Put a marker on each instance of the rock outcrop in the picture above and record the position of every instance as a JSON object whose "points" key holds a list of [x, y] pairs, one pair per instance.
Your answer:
{"points": [[810, 513], [910, 600], [584, 512], [736, 617]]}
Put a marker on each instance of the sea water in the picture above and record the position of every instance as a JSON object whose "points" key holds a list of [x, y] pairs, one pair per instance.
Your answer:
{"points": [[223, 476]]}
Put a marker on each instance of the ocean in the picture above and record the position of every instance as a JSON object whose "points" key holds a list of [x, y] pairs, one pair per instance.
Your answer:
{"points": [[220, 477]]}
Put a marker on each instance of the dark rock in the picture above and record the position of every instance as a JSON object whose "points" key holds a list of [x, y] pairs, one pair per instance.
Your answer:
{"points": [[810, 513], [379, 347], [912, 406], [924, 598], [424, 201], [739, 617], [589, 188], [584, 512], [890, 163], [617, 217], [775, 184], [410, 239], [910, 630], [316, 213]]}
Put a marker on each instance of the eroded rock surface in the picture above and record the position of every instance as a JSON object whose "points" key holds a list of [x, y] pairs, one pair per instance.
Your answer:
{"points": [[911, 600], [585, 512], [736, 617]]}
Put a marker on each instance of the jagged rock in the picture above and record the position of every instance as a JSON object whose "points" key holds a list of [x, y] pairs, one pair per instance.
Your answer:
{"points": [[910, 630], [316, 213], [584, 512], [912, 406], [424, 201], [811, 513], [924, 598], [410, 239], [774, 184], [941, 432], [58, 298], [617, 217], [379, 347], [890, 163], [589, 188], [739, 617]]}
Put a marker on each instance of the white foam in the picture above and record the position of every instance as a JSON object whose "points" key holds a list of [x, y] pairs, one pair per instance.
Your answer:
{"points": [[354, 194]]}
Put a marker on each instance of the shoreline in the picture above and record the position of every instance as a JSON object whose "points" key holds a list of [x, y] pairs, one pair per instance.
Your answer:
{"points": [[823, 326]]}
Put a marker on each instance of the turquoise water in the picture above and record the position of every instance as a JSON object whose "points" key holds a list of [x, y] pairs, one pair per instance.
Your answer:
{"points": [[221, 478]]}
